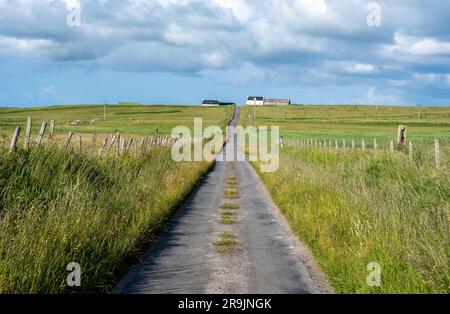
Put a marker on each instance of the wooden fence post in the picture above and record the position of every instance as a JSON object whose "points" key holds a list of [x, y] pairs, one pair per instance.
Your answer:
{"points": [[94, 144], [142, 144], [437, 154], [121, 145], [150, 143], [51, 133], [401, 135], [118, 140], [391, 146], [129, 145], [102, 148], [113, 141], [375, 144], [410, 152], [14, 139], [26, 144], [336, 144], [69, 138], [80, 144], [363, 145], [353, 144], [344, 145], [41, 133]]}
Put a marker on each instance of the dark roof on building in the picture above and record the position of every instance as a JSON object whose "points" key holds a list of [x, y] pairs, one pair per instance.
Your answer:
{"points": [[210, 102], [255, 98]]}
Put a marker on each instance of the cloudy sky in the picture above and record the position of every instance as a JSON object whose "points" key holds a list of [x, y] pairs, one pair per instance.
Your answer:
{"points": [[181, 51]]}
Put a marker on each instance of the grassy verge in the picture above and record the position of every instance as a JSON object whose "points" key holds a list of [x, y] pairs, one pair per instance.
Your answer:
{"points": [[58, 207], [354, 208]]}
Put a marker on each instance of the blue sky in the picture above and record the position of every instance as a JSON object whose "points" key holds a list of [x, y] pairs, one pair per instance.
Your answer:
{"points": [[181, 51]]}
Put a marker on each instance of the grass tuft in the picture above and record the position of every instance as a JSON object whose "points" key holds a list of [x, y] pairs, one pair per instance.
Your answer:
{"points": [[229, 206], [231, 193], [228, 218], [226, 243]]}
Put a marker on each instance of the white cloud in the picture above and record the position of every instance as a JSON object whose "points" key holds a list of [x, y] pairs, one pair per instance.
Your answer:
{"points": [[240, 9], [216, 58], [359, 68], [418, 46], [286, 41], [22, 47], [179, 36]]}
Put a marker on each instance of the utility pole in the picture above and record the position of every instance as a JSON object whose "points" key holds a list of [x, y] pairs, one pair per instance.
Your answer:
{"points": [[419, 113], [104, 111]]}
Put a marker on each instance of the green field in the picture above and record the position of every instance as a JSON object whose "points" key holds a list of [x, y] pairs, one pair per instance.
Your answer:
{"points": [[354, 122], [127, 119]]}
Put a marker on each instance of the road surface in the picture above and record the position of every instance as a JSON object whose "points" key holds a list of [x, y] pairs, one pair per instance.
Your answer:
{"points": [[265, 259]]}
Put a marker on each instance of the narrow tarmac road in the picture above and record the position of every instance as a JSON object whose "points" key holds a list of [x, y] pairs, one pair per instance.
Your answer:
{"points": [[263, 257]]}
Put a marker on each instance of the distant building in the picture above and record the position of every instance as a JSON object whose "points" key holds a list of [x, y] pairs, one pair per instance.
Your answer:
{"points": [[227, 104], [211, 103], [277, 102], [262, 101], [255, 101]]}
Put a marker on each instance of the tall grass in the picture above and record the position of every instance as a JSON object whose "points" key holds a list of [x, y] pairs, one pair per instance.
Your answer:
{"points": [[58, 207], [353, 208]]}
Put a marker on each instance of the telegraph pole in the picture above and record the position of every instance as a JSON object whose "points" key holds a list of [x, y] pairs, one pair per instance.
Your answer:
{"points": [[104, 111]]}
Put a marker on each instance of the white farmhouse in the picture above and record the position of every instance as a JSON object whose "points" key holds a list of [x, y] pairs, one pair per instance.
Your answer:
{"points": [[255, 101]]}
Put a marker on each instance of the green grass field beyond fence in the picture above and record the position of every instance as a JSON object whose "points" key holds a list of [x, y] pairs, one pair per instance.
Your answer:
{"points": [[60, 206], [354, 122], [353, 207], [127, 119]]}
